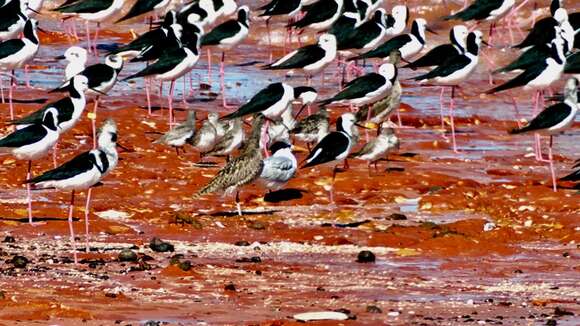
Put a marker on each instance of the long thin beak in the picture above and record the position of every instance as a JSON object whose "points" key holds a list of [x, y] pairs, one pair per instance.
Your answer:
{"points": [[300, 111], [125, 148], [428, 29], [42, 30], [34, 11], [60, 57], [97, 91], [485, 43]]}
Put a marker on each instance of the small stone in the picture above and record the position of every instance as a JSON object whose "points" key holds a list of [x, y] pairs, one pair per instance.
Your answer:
{"points": [[2, 295], [20, 261], [230, 287], [159, 245], [9, 239], [393, 313], [528, 223], [127, 255], [242, 244], [566, 254], [257, 225], [397, 217], [366, 256], [176, 259], [152, 323], [558, 312], [551, 322], [374, 310], [185, 265], [489, 226]]}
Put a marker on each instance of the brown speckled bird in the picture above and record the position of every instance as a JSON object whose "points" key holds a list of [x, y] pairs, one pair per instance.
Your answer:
{"points": [[241, 170]]}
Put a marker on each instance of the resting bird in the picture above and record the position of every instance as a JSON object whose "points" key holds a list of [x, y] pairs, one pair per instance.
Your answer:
{"points": [[180, 134], [280, 167], [379, 147]]}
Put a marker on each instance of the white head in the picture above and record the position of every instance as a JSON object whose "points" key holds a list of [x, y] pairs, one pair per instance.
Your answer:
{"points": [[114, 61], [80, 83], [76, 54], [381, 15], [401, 15], [213, 117], [561, 15], [307, 95], [421, 25], [346, 123], [458, 35], [327, 41], [571, 90], [107, 138], [229, 7], [34, 6], [50, 119]]}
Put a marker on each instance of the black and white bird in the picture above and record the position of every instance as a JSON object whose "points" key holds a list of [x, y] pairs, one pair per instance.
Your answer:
{"points": [[279, 168], [409, 44], [205, 12], [145, 6], [310, 59], [16, 53], [313, 128], [92, 11], [334, 147], [367, 36], [398, 19], [572, 64], [12, 19], [544, 31], [226, 36], [77, 59], [171, 65], [379, 147], [320, 15], [367, 89], [454, 71], [368, 7], [575, 175], [31, 143], [280, 130], [81, 173], [440, 53], [180, 134], [347, 22], [554, 120]]}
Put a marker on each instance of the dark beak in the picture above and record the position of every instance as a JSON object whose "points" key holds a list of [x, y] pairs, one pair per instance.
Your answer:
{"points": [[485, 43], [428, 29], [300, 111], [42, 30], [97, 91], [34, 11], [60, 57], [125, 148]]}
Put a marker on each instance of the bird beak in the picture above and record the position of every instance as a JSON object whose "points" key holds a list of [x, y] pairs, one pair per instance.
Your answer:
{"points": [[97, 91], [60, 57], [363, 126], [125, 148], [300, 111], [299, 149], [428, 29], [34, 11], [42, 30], [485, 43], [371, 126]]}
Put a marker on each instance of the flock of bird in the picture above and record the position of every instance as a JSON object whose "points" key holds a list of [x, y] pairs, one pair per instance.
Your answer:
{"points": [[349, 31]]}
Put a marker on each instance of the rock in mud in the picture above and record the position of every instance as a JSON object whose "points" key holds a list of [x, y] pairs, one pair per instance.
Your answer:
{"points": [[397, 217], [257, 225], [230, 287], [9, 239], [374, 310], [159, 245], [20, 261], [185, 265], [242, 244], [366, 256], [128, 255]]}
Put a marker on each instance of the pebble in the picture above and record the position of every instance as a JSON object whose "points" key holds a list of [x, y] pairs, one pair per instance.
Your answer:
{"points": [[393, 314], [230, 287], [242, 244], [374, 310], [20, 261], [185, 265], [257, 225], [397, 217], [321, 315], [366, 256], [159, 245], [127, 255], [489, 226], [9, 239]]}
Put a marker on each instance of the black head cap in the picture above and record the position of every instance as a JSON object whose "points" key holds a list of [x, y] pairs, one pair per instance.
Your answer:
{"points": [[278, 146]]}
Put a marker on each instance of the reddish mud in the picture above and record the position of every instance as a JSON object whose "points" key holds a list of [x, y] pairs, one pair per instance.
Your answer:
{"points": [[423, 218]]}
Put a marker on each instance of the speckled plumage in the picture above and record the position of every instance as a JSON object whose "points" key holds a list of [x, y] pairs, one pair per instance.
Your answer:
{"points": [[312, 128], [232, 139], [179, 135]]}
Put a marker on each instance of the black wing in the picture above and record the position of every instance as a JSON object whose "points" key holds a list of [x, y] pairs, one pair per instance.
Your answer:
{"points": [[280, 7], [143, 41], [548, 118], [573, 64], [86, 7], [386, 48], [221, 32], [140, 7], [358, 88], [446, 69], [543, 32], [528, 58], [98, 74], [25, 136], [260, 102], [361, 36], [342, 28], [331, 146], [574, 176], [317, 12], [302, 57], [10, 47], [80, 164], [479, 10], [521, 79], [165, 63], [435, 57], [65, 112]]}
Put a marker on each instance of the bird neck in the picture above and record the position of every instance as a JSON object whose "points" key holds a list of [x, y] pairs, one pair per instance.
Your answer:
{"points": [[418, 32], [253, 143]]}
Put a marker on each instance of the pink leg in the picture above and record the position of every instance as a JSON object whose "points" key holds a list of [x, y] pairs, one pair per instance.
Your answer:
{"points": [[183, 91], [451, 113], [70, 226], [89, 47], [223, 82], [148, 95], [441, 109], [26, 77], [2, 90], [209, 66], [94, 122], [54, 150], [96, 52], [87, 213], [29, 194], [160, 96], [551, 159], [74, 28], [269, 40], [10, 104], [518, 116], [170, 103]]}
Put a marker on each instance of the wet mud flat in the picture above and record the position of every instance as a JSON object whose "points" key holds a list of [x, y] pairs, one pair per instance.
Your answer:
{"points": [[471, 238]]}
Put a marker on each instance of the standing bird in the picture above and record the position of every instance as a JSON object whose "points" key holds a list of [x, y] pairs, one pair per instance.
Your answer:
{"points": [[575, 175], [280, 167], [311, 59], [241, 170], [231, 141], [16, 53], [205, 138], [455, 71], [544, 31], [32, 142], [408, 44], [77, 59], [92, 11], [379, 147], [226, 36], [398, 19], [554, 120], [367, 36], [144, 6], [206, 12], [82, 173], [12, 19], [320, 15], [334, 147], [313, 128], [441, 53], [178, 136]]}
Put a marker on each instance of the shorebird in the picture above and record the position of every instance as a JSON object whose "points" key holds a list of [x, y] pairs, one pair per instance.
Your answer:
{"points": [[441, 53], [311, 59], [279, 130], [226, 36], [320, 15], [16, 53], [368, 7], [544, 31], [575, 175], [206, 12], [379, 147], [313, 128], [408, 44], [285, 8], [347, 22], [82, 173], [398, 19], [241, 170], [32, 142], [172, 65], [572, 64], [92, 11], [453, 72], [180, 134], [12, 19], [145, 6], [334, 147], [231, 141], [77, 59], [554, 120], [206, 137], [280, 167], [367, 36]]}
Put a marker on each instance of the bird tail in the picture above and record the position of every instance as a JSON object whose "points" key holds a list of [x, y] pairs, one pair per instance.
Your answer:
{"points": [[521, 130], [211, 187], [574, 176], [505, 86]]}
